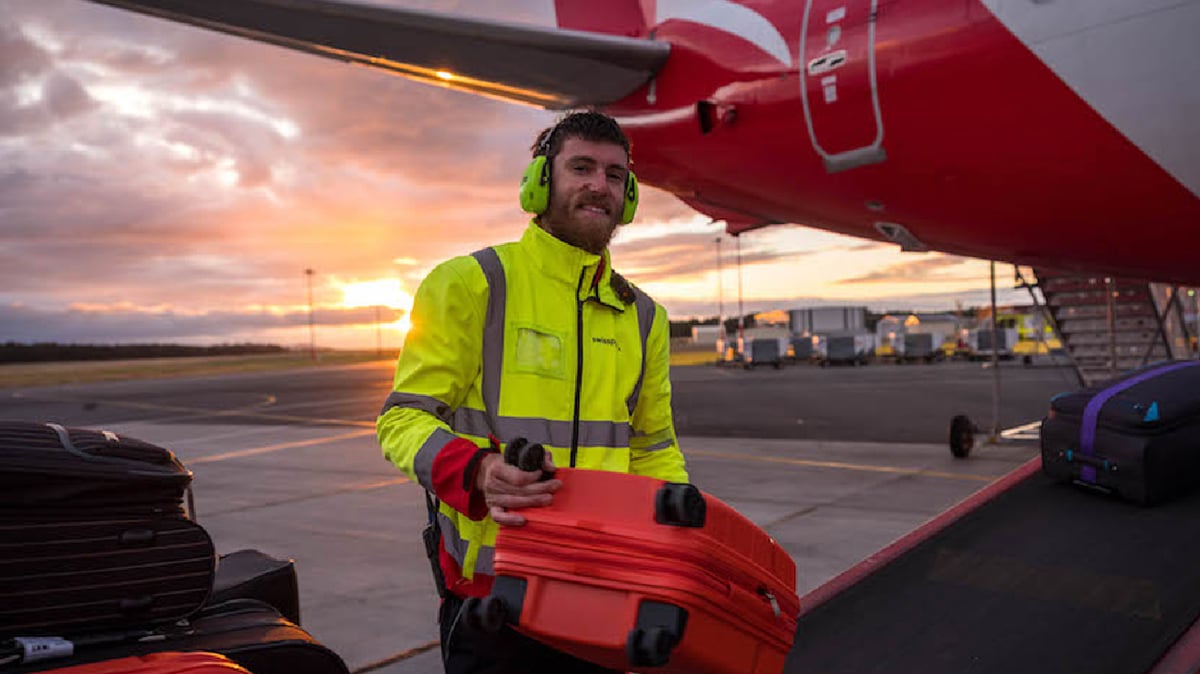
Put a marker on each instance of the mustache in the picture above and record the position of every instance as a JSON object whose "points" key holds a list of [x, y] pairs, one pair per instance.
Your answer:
{"points": [[594, 200]]}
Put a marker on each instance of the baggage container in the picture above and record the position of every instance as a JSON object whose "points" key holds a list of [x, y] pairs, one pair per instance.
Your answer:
{"points": [[852, 349], [922, 346], [160, 663], [632, 573], [765, 351], [802, 349], [1137, 436]]}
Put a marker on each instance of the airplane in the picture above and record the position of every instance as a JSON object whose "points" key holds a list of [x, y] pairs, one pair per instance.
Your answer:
{"points": [[1053, 133]]}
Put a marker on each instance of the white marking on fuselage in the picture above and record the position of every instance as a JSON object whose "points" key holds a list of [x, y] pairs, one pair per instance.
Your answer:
{"points": [[1134, 62], [729, 17]]}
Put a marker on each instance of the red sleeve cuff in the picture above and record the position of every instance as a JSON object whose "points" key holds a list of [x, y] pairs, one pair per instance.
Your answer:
{"points": [[454, 472]]}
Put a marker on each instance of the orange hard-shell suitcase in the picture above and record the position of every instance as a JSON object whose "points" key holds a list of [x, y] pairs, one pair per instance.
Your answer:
{"points": [[636, 573], [159, 663]]}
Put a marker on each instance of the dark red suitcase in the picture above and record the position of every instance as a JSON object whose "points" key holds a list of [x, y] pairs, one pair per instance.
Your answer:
{"points": [[160, 663], [631, 572], [249, 632]]}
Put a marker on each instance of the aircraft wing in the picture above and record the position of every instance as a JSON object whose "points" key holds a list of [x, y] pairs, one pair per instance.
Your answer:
{"points": [[547, 67]]}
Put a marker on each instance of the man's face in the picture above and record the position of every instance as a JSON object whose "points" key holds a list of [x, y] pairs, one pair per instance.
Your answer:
{"points": [[587, 193]]}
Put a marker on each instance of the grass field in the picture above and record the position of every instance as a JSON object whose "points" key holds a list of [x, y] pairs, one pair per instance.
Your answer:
{"points": [[79, 372], [21, 375]]}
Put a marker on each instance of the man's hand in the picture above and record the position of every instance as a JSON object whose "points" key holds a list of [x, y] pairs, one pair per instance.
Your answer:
{"points": [[506, 487]]}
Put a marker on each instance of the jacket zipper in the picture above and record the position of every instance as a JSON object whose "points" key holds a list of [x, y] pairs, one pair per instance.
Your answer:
{"points": [[578, 366]]}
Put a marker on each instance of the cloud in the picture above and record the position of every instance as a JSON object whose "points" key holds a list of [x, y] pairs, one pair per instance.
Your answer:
{"points": [[935, 268], [134, 324], [683, 308], [681, 255], [168, 163]]}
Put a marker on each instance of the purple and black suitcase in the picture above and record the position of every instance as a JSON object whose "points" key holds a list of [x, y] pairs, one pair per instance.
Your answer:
{"points": [[1137, 436]]}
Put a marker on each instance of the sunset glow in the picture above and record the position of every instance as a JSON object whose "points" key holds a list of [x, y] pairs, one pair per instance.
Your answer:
{"points": [[171, 184], [385, 292]]}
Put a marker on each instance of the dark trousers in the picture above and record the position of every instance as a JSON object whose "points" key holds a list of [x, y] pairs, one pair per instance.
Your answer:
{"points": [[468, 651]]}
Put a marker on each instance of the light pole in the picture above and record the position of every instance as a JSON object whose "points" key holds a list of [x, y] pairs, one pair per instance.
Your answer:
{"points": [[312, 330], [720, 297], [741, 313], [378, 333]]}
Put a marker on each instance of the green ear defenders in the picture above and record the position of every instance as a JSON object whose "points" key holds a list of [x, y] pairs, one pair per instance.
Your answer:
{"points": [[535, 190]]}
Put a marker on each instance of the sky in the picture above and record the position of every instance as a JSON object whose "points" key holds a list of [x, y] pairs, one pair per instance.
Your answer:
{"points": [[162, 183]]}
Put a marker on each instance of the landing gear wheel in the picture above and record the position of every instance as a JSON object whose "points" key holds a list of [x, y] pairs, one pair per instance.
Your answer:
{"points": [[962, 436]]}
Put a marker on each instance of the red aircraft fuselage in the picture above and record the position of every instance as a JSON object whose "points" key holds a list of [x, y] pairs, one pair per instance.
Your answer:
{"points": [[929, 122]]}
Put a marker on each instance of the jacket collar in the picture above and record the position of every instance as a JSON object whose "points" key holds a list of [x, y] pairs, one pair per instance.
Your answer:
{"points": [[564, 263]]}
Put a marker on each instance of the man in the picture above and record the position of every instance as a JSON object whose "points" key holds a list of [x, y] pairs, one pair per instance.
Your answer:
{"points": [[536, 339]]}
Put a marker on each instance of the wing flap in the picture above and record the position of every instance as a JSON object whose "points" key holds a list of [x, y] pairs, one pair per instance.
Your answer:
{"points": [[547, 67]]}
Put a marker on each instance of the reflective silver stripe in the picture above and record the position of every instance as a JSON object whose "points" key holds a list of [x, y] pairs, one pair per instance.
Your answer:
{"points": [[454, 544], [428, 404], [655, 447], [645, 313], [613, 434], [485, 563], [493, 330], [457, 547], [423, 461]]}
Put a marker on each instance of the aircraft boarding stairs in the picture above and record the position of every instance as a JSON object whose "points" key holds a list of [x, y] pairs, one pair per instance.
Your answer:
{"points": [[1111, 325]]}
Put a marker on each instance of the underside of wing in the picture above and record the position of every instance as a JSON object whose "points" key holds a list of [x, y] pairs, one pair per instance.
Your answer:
{"points": [[547, 67]]}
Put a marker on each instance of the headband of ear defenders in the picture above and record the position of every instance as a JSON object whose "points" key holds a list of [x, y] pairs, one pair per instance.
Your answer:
{"points": [[535, 185]]}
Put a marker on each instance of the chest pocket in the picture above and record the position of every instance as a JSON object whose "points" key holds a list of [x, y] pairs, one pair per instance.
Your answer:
{"points": [[540, 351]]}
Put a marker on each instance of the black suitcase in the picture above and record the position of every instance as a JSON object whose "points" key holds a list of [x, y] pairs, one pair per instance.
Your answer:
{"points": [[93, 534], [47, 468], [68, 576], [247, 631], [1137, 436], [251, 574]]}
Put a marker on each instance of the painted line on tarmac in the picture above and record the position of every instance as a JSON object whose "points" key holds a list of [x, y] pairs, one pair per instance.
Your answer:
{"points": [[197, 412], [255, 451], [866, 468], [336, 491], [1029, 431], [399, 657]]}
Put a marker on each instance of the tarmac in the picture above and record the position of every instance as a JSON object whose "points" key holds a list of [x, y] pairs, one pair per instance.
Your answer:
{"points": [[287, 463]]}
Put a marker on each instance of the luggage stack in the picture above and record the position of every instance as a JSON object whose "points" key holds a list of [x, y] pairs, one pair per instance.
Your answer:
{"points": [[1137, 436], [101, 560], [633, 573]]}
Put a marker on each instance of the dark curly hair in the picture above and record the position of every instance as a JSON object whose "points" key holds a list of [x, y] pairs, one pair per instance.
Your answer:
{"points": [[588, 125]]}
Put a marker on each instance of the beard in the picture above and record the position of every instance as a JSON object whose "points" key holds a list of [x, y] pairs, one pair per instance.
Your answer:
{"points": [[568, 220]]}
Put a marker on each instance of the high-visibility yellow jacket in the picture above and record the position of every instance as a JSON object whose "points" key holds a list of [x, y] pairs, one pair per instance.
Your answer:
{"points": [[535, 339]]}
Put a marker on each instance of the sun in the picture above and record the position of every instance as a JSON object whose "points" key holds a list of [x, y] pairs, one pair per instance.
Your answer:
{"points": [[384, 292]]}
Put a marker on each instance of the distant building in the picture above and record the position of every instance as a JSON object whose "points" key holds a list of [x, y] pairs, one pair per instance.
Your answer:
{"points": [[825, 320], [706, 335]]}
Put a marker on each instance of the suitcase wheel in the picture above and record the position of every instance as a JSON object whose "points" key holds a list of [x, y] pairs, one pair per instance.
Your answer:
{"points": [[680, 504], [485, 615], [649, 647]]}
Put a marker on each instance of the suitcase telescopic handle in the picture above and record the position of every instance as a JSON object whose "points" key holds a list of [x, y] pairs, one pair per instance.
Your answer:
{"points": [[1100, 462], [527, 456]]}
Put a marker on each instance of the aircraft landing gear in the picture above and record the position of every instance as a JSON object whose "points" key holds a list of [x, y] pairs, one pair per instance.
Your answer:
{"points": [[962, 436]]}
